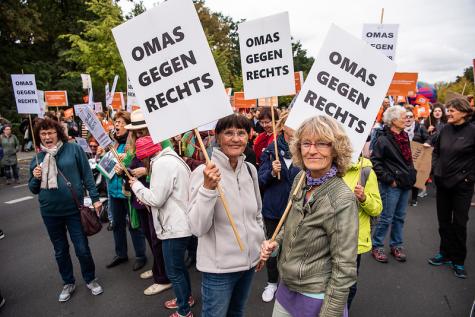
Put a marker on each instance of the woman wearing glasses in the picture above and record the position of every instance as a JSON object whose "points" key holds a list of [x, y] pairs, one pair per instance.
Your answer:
{"points": [[227, 271], [265, 138], [317, 245]]}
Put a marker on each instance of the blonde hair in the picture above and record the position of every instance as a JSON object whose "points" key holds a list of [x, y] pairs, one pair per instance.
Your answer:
{"points": [[326, 129]]}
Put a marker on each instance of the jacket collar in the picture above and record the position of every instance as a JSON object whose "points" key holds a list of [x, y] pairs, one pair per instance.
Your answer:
{"points": [[168, 151], [221, 158]]}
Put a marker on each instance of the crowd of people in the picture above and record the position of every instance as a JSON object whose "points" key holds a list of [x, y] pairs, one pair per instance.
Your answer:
{"points": [[167, 195]]}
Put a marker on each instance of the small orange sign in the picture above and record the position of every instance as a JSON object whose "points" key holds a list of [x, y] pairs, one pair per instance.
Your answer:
{"points": [[118, 101], [240, 102], [403, 84], [58, 98], [298, 76], [422, 108]]}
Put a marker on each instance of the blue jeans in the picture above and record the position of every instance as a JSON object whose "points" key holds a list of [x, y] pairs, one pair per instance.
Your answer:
{"points": [[225, 294], [394, 212], [57, 227], [174, 256], [119, 208]]}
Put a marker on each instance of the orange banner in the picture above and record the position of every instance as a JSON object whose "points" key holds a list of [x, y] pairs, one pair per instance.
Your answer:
{"points": [[57, 98], [118, 101], [298, 76], [240, 102], [403, 84]]}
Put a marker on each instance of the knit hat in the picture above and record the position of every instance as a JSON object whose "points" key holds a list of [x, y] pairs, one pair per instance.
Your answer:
{"points": [[144, 147]]}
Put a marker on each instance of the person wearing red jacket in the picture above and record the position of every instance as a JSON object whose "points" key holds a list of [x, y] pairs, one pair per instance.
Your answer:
{"points": [[265, 138]]}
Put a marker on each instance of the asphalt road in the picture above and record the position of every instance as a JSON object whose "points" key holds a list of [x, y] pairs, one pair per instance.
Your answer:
{"points": [[30, 281]]}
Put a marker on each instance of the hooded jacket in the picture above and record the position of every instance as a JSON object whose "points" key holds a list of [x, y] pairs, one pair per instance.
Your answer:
{"points": [[168, 195], [371, 207], [218, 251]]}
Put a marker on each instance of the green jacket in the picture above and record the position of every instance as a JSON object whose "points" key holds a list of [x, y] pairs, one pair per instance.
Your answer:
{"points": [[319, 243], [371, 207], [10, 148]]}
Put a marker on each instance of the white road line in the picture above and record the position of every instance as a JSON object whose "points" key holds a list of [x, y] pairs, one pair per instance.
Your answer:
{"points": [[14, 201], [22, 185]]}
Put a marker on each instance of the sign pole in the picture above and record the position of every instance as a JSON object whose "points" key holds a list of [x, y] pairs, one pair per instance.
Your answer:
{"points": [[382, 15], [114, 151], [221, 193], [260, 265], [274, 132], [33, 138]]}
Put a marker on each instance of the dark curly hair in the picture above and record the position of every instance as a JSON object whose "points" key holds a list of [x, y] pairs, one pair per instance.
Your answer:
{"points": [[46, 124]]}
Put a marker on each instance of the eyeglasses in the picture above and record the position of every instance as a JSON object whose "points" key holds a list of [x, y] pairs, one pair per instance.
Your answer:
{"points": [[45, 134], [409, 117], [229, 134], [265, 122], [318, 145]]}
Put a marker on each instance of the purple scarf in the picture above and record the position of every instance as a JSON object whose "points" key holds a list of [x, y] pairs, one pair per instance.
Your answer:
{"points": [[320, 180]]}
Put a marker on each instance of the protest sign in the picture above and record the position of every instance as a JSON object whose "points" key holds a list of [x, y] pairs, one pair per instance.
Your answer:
{"points": [[41, 100], [94, 126], [78, 108], [208, 127], [58, 98], [172, 70], [131, 100], [268, 102], [108, 96], [240, 102], [106, 165], [298, 77], [422, 159], [382, 37], [348, 81], [118, 101], [266, 57], [26, 96], [86, 81], [97, 107], [83, 144], [403, 84]]}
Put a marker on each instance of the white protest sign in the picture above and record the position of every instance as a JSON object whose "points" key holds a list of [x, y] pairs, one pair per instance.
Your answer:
{"points": [[172, 70], [108, 96], [86, 81], [24, 88], [97, 106], [208, 127], [348, 81], [83, 144], [94, 126], [41, 100], [80, 107], [266, 57], [114, 85], [382, 37], [131, 99]]}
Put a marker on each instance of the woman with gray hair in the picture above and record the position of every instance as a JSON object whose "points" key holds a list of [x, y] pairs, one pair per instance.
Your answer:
{"points": [[318, 242], [392, 163]]}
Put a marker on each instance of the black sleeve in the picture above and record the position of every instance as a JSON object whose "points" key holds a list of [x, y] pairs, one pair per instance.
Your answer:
{"points": [[377, 158]]}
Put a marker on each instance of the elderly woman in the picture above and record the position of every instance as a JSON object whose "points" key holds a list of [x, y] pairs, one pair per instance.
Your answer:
{"points": [[318, 243], [11, 146], [392, 163], [454, 174], [227, 272], [59, 163], [276, 192]]}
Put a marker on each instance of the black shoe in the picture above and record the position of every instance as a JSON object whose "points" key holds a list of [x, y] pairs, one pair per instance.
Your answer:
{"points": [[2, 301], [439, 260], [110, 226], [413, 203], [190, 262], [116, 261], [459, 271], [2, 235], [139, 263]]}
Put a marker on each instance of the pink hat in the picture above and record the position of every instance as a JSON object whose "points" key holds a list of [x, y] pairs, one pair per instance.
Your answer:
{"points": [[144, 147]]}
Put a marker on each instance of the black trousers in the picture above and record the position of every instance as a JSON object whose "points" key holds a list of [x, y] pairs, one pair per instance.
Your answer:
{"points": [[453, 205], [354, 287], [271, 264]]}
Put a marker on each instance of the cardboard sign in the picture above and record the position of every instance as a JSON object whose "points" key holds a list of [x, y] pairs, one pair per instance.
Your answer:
{"points": [[41, 100], [86, 81], [422, 159], [268, 102], [94, 126], [58, 98], [118, 101], [83, 144], [172, 70], [26, 96], [266, 57], [403, 84], [240, 102], [298, 77], [382, 37], [106, 165], [347, 82]]}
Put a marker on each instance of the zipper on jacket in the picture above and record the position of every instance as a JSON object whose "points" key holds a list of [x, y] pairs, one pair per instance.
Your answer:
{"points": [[244, 219], [302, 263]]}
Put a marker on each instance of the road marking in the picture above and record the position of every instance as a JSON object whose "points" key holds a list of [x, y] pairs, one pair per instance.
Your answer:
{"points": [[14, 201], [22, 185]]}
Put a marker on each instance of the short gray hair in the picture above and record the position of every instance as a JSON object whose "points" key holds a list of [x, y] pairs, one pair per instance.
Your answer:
{"points": [[392, 113]]}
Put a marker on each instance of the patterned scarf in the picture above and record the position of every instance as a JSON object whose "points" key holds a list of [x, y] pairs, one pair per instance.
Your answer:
{"points": [[402, 140], [321, 180], [283, 146], [49, 170]]}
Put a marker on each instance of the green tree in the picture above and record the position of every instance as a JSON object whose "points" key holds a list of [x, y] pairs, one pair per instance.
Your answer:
{"points": [[463, 85]]}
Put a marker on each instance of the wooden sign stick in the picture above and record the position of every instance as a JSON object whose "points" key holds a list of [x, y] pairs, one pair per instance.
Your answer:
{"points": [[260, 265], [382, 15], [274, 132], [221, 193], [33, 138], [114, 152]]}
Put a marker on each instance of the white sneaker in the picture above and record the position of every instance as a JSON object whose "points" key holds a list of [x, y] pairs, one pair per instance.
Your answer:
{"points": [[146, 275], [156, 288], [65, 295], [269, 291], [95, 288], [422, 194]]}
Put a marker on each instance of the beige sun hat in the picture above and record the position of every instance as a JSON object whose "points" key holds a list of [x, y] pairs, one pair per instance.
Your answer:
{"points": [[137, 120]]}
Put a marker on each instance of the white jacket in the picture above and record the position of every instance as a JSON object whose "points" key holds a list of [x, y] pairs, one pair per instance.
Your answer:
{"points": [[218, 251], [167, 195]]}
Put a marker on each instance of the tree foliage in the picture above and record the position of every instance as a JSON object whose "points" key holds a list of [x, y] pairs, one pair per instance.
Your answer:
{"points": [[463, 85]]}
